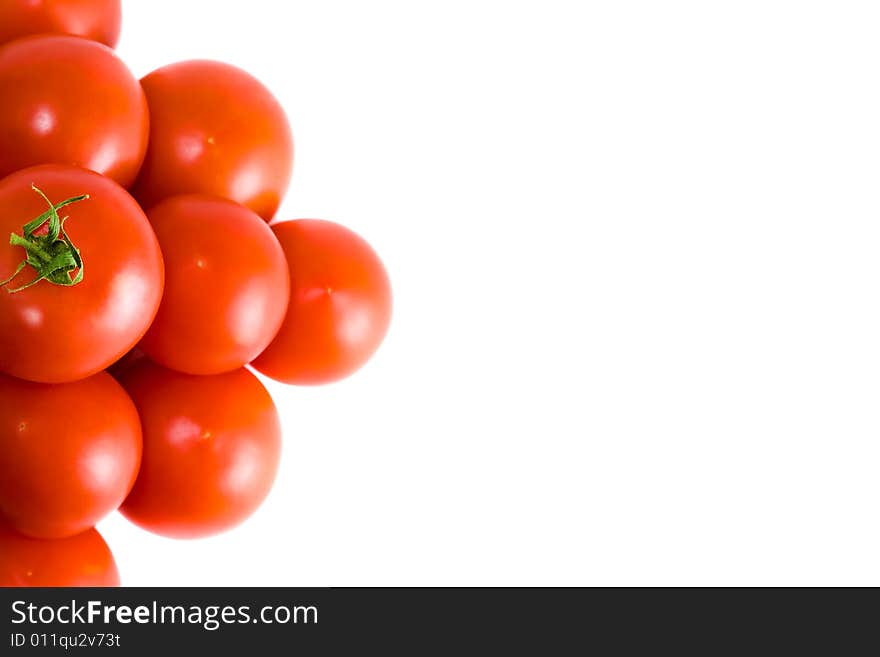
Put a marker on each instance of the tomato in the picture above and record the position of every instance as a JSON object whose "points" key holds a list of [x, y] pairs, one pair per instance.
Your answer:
{"points": [[81, 560], [69, 453], [99, 20], [226, 285], [215, 130], [340, 305], [67, 100], [211, 450], [52, 333]]}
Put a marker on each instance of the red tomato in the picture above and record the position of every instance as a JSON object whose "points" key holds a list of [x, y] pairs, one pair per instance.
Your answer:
{"points": [[340, 305], [81, 560], [69, 454], [211, 450], [226, 285], [67, 100], [215, 130], [54, 334], [99, 20]]}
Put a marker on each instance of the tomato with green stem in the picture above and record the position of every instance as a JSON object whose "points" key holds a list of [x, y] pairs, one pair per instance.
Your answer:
{"points": [[69, 454], [212, 446], [81, 560], [84, 273], [340, 305], [99, 20], [67, 100]]}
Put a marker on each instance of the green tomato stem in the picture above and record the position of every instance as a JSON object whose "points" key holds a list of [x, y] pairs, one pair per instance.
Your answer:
{"points": [[53, 255]]}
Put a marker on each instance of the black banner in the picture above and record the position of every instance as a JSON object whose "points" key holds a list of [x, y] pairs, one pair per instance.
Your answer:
{"points": [[417, 621]]}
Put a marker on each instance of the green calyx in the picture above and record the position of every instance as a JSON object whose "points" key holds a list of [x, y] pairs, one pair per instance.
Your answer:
{"points": [[51, 253]]}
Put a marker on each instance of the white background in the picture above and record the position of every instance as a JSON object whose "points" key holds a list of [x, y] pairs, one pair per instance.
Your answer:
{"points": [[635, 255]]}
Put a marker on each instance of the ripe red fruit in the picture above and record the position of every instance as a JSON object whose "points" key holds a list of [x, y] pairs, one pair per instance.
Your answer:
{"points": [[67, 100], [340, 305], [69, 454], [226, 285], [211, 450], [55, 334], [99, 20], [215, 129], [81, 560]]}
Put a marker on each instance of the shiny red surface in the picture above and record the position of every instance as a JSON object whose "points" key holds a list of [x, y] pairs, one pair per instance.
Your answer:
{"points": [[340, 305], [81, 560], [99, 20], [226, 285], [212, 445], [215, 130], [56, 334], [69, 454], [67, 100]]}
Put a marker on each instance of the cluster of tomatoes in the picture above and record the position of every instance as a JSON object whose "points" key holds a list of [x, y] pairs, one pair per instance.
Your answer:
{"points": [[141, 275]]}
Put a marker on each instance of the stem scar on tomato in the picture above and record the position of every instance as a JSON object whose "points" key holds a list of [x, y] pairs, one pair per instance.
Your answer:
{"points": [[51, 253]]}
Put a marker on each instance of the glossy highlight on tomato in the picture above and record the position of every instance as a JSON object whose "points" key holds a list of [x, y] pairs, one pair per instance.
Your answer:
{"points": [[67, 100], [99, 20], [215, 130], [340, 305], [55, 334], [69, 454], [226, 285], [80, 560], [212, 446]]}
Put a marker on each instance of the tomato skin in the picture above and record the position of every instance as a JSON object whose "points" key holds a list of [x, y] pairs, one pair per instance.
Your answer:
{"points": [[81, 560], [67, 100], [54, 334], [98, 20], [212, 445], [215, 130], [340, 305], [226, 285], [69, 454]]}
